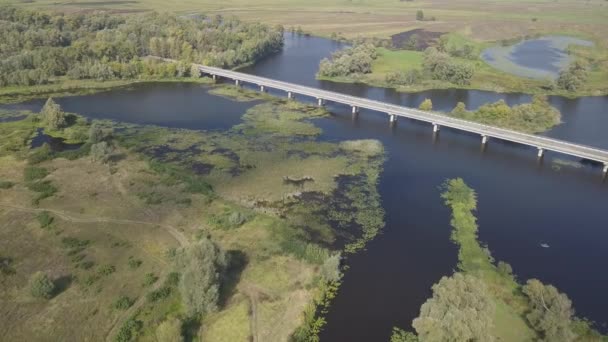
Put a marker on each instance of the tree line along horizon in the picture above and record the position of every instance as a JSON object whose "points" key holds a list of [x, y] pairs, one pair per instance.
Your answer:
{"points": [[39, 48]]}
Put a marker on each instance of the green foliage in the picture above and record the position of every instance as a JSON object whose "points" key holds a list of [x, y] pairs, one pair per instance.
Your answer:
{"points": [[123, 303], [44, 189], [101, 152], [41, 286], [6, 267], [419, 15], [6, 184], [38, 47], [533, 117], [159, 294], [202, 265], [129, 330], [106, 270], [42, 153], [574, 77], [461, 309], [45, 219], [349, 61], [134, 263], [400, 335], [441, 67], [504, 269], [170, 330], [149, 279], [427, 105], [173, 174], [408, 78], [330, 270], [33, 173], [53, 116], [551, 311], [97, 134]]}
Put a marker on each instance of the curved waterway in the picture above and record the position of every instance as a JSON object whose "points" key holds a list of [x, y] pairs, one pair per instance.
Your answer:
{"points": [[522, 203]]}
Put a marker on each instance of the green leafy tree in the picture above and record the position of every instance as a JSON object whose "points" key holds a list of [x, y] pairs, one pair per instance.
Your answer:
{"points": [[41, 286], [461, 309], [551, 313], [202, 266], [427, 105], [460, 110], [419, 15], [52, 115]]}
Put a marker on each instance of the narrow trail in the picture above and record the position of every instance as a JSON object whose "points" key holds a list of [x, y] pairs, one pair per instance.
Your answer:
{"points": [[175, 233]]}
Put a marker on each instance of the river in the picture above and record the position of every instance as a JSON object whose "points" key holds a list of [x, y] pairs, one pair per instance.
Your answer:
{"points": [[522, 202]]}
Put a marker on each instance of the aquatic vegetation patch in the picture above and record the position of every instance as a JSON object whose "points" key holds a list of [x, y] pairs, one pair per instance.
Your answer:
{"points": [[287, 120]]}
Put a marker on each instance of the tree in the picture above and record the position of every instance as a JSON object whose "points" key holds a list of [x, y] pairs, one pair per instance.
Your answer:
{"points": [[96, 134], [101, 152], [41, 286], [170, 331], [460, 110], [52, 115], [427, 105], [419, 15], [202, 265], [551, 313], [461, 309]]}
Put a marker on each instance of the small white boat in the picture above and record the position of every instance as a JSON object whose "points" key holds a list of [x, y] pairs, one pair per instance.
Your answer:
{"points": [[544, 245]]}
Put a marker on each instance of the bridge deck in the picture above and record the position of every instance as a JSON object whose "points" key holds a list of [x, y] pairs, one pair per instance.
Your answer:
{"points": [[577, 150]]}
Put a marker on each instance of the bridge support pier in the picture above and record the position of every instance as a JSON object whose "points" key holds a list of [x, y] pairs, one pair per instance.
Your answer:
{"points": [[392, 119], [484, 140], [237, 83], [541, 152], [605, 171], [320, 102], [355, 109], [262, 89], [290, 95], [436, 128]]}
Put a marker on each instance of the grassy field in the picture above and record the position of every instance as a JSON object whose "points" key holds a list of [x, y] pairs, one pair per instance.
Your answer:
{"points": [[481, 20], [106, 233]]}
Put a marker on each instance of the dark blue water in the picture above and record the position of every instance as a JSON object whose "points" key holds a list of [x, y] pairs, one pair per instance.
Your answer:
{"points": [[522, 203]]}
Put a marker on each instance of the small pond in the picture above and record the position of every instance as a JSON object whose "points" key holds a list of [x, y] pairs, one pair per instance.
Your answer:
{"points": [[541, 58], [56, 144]]}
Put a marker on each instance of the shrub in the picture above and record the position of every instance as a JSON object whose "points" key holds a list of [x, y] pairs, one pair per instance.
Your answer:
{"points": [[331, 268], [101, 152], [106, 270], [427, 105], [123, 303], [134, 263], [128, 330], [149, 279], [41, 286], [45, 219], [33, 173], [158, 294], [44, 189], [408, 77], [6, 184], [42, 153]]}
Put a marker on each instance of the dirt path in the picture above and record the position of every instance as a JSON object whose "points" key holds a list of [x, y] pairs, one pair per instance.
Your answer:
{"points": [[179, 237], [254, 293]]}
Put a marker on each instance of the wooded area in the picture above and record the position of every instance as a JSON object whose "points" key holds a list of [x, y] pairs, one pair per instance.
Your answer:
{"points": [[38, 48]]}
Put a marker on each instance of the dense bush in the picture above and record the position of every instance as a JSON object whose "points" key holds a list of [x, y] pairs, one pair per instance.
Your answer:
{"points": [[37, 47], [41, 286], [350, 61], [123, 303], [170, 331], [408, 77], [442, 67], [574, 77], [533, 117], [551, 313]]}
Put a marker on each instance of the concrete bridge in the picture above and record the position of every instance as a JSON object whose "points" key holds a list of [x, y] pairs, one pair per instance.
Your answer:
{"points": [[437, 121]]}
